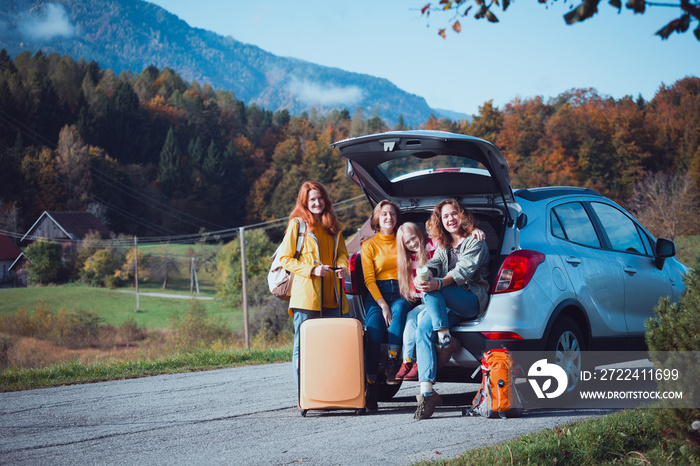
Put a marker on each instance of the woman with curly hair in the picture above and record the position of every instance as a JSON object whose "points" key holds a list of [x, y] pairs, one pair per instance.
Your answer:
{"points": [[456, 290]]}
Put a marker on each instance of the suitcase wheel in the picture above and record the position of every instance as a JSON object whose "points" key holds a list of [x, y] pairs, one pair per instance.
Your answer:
{"points": [[303, 412], [359, 412]]}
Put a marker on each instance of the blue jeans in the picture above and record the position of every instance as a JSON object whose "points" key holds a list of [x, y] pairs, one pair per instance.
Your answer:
{"points": [[409, 331], [375, 325], [300, 315], [443, 308]]}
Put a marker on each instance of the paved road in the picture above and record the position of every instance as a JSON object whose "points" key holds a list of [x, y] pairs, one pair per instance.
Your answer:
{"points": [[238, 416]]}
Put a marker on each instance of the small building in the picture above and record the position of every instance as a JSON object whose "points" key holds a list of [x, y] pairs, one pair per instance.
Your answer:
{"points": [[354, 242], [9, 253], [68, 228], [18, 270]]}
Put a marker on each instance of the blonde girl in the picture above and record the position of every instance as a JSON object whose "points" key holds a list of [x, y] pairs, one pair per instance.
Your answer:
{"points": [[413, 250]]}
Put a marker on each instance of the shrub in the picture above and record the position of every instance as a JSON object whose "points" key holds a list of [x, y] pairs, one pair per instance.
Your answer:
{"points": [[6, 342], [229, 276], [196, 329], [99, 267], [83, 330], [677, 329], [45, 264], [270, 316]]}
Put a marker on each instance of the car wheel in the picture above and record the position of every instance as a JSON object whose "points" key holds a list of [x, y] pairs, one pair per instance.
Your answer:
{"points": [[566, 342], [385, 391]]}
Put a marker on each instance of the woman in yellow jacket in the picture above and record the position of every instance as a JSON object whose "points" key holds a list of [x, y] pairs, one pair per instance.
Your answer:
{"points": [[323, 261]]}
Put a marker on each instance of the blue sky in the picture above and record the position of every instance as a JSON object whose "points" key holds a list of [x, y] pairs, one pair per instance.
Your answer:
{"points": [[530, 52]]}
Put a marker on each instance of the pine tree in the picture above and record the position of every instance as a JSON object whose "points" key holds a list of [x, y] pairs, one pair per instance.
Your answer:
{"points": [[169, 168]]}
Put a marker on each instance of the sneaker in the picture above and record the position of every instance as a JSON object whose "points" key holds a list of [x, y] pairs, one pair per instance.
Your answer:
{"points": [[426, 405], [404, 370], [445, 350], [371, 397], [392, 368], [412, 374]]}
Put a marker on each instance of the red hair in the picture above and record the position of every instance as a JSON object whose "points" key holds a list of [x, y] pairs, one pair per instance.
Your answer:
{"points": [[301, 209]]}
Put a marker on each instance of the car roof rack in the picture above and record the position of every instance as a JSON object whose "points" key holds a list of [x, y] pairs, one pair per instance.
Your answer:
{"points": [[538, 194]]}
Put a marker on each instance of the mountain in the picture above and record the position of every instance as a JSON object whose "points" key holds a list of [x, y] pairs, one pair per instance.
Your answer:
{"points": [[130, 35]]}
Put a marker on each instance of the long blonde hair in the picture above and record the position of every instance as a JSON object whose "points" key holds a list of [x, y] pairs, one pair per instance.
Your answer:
{"points": [[403, 258]]}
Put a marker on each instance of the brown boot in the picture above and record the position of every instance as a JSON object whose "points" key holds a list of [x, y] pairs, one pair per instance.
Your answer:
{"points": [[426, 405]]}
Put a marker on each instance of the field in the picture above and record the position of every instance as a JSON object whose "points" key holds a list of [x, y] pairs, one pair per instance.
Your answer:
{"points": [[114, 306]]}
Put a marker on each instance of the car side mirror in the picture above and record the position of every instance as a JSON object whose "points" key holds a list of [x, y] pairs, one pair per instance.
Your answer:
{"points": [[665, 248]]}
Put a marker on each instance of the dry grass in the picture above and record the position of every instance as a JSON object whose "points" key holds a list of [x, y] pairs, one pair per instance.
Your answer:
{"points": [[27, 352]]}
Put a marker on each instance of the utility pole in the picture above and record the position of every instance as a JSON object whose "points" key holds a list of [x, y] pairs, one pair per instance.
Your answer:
{"points": [[244, 283], [136, 271]]}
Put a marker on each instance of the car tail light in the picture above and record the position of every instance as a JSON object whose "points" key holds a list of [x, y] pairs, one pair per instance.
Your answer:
{"points": [[501, 336], [517, 270], [350, 284]]}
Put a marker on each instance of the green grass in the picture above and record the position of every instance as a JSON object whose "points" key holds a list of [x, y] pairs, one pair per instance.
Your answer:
{"points": [[113, 306], [627, 437], [687, 249], [77, 373]]}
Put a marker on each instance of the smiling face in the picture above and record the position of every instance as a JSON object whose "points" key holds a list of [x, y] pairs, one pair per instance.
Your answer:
{"points": [[450, 219], [387, 219], [411, 242], [316, 204]]}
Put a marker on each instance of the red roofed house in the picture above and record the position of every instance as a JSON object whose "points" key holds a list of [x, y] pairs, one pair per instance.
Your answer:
{"points": [[68, 228], [365, 232], [9, 253]]}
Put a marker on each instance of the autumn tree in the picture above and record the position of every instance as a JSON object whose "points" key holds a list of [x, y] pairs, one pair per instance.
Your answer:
{"points": [[73, 162], [524, 125], [99, 268], [134, 258], [486, 124], [666, 204], [163, 267], [689, 12], [42, 182]]}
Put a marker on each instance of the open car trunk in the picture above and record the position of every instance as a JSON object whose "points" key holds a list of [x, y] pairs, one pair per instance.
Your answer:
{"points": [[418, 169]]}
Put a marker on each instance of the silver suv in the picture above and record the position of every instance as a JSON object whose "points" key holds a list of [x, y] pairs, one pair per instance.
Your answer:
{"points": [[570, 269]]}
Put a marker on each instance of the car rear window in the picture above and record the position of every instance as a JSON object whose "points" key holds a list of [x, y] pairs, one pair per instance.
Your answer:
{"points": [[400, 169]]}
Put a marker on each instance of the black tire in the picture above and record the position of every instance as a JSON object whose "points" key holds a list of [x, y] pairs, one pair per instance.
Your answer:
{"points": [[386, 392], [566, 345]]}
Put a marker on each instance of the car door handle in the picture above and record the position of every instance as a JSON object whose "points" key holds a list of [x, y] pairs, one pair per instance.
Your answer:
{"points": [[630, 270], [573, 260]]}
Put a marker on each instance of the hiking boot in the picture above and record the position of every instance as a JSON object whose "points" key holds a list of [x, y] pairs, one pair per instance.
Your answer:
{"points": [[371, 397], [392, 367], [426, 405], [404, 370], [412, 374], [444, 351]]}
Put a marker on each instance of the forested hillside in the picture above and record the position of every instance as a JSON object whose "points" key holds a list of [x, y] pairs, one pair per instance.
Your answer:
{"points": [[158, 155], [125, 35]]}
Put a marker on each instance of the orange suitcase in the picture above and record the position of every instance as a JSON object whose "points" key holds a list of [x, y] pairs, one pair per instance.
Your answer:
{"points": [[331, 364]]}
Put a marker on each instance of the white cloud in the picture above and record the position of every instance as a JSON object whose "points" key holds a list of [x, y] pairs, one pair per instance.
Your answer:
{"points": [[54, 23], [321, 94]]}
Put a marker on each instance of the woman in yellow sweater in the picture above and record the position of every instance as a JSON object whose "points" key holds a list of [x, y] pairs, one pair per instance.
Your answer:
{"points": [[323, 260], [385, 308]]}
